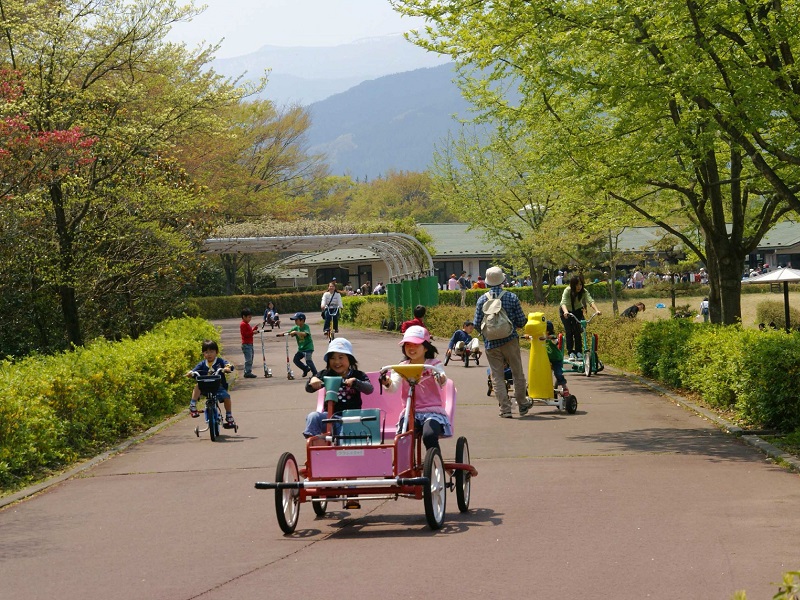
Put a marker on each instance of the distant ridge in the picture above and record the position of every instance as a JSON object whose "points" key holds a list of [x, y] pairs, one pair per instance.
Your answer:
{"points": [[392, 122], [306, 74]]}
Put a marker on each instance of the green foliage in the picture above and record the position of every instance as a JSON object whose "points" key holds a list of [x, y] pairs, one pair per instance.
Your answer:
{"points": [[59, 408], [789, 590], [286, 303], [715, 358], [767, 385], [661, 349], [774, 311]]}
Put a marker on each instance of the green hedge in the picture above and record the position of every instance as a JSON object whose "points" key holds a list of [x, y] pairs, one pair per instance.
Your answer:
{"points": [[755, 374], [60, 408], [230, 307]]}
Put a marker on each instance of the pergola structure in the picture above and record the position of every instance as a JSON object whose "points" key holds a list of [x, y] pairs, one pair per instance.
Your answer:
{"points": [[410, 265], [405, 257]]}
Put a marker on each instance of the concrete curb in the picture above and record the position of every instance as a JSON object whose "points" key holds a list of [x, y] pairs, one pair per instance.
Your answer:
{"points": [[43, 485], [792, 462]]}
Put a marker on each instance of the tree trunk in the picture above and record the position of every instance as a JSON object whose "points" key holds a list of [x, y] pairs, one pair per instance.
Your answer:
{"points": [[230, 264], [730, 289], [537, 276], [66, 291]]}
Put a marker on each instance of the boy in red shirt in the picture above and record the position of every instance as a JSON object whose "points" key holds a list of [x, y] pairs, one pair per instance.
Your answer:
{"points": [[419, 313], [247, 332]]}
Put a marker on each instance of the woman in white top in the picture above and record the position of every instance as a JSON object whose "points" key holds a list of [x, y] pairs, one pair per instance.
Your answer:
{"points": [[330, 305]]}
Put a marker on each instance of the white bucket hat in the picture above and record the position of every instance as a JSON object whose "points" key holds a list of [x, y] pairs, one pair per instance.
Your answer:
{"points": [[495, 276], [340, 345]]}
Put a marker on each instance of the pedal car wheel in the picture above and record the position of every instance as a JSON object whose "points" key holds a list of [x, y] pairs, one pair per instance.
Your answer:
{"points": [[466, 359], [463, 478], [197, 431], [446, 360], [489, 391], [320, 507], [287, 502], [571, 404], [435, 493], [587, 363]]}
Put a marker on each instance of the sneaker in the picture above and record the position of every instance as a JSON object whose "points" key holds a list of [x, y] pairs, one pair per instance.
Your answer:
{"points": [[229, 422], [250, 375], [572, 356], [524, 408], [565, 392], [579, 355], [305, 373], [193, 411], [352, 505], [506, 416]]}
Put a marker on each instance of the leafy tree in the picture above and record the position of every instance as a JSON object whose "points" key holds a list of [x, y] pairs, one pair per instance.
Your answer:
{"points": [[686, 112], [258, 168], [108, 226], [399, 195]]}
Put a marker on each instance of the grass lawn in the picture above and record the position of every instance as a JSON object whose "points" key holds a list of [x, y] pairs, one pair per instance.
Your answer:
{"points": [[749, 304]]}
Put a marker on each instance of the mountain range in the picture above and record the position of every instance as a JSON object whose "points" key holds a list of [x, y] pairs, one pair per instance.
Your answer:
{"points": [[376, 105], [302, 75]]}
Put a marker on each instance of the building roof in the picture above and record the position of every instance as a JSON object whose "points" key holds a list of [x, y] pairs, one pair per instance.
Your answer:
{"points": [[783, 235]]}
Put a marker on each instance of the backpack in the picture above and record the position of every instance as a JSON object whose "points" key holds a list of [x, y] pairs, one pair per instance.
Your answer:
{"points": [[495, 325]]}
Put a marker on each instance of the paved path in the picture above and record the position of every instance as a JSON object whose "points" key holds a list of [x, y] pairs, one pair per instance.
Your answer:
{"points": [[633, 497]]}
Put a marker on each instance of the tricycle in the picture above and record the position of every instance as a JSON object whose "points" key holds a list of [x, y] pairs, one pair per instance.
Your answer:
{"points": [[585, 362], [359, 457]]}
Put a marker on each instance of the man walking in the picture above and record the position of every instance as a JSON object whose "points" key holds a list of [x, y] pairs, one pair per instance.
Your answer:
{"points": [[464, 284], [505, 350]]}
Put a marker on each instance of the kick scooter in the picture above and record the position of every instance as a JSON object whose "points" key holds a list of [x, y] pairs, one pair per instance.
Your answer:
{"points": [[289, 373], [267, 370]]}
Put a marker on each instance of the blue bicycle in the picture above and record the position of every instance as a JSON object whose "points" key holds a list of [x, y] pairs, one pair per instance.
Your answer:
{"points": [[209, 386]]}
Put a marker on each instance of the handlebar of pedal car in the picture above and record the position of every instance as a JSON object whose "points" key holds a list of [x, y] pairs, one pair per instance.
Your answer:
{"points": [[350, 419], [435, 368]]}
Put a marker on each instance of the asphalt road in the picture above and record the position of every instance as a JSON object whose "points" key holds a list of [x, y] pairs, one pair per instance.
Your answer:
{"points": [[632, 497]]}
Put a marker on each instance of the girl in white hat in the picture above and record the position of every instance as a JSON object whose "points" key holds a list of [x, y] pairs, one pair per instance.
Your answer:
{"points": [[340, 362], [430, 416]]}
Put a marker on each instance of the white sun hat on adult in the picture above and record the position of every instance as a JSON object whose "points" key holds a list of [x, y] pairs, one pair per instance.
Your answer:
{"points": [[495, 276]]}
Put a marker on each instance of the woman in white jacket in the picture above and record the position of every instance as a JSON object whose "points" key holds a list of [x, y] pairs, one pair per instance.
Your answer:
{"points": [[330, 306]]}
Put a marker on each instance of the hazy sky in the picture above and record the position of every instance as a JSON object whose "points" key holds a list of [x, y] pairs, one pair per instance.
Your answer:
{"points": [[247, 25]]}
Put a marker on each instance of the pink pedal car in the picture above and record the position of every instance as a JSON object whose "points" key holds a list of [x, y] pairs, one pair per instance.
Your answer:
{"points": [[361, 457]]}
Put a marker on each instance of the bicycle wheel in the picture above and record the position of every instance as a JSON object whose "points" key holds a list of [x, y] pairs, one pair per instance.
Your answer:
{"points": [[212, 415], [588, 356], [287, 501]]}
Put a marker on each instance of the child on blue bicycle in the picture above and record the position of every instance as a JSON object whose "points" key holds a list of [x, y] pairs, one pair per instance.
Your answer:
{"points": [[210, 364]]}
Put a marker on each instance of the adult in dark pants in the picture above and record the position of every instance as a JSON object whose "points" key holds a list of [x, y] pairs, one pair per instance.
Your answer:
{"points": [[506, 350], [575, 300]]}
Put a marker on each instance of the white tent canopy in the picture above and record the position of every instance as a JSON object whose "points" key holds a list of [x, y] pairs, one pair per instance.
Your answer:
{"points": [[404, 255]]}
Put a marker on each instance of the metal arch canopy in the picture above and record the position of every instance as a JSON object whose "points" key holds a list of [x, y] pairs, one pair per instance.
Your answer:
{"points": [[404, 255]]}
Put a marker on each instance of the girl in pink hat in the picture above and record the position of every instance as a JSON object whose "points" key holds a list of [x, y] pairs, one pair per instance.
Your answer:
{"points": [[430, 416]]}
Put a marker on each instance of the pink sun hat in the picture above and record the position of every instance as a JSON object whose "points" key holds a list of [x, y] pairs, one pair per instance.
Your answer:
{"points": [[415, 334]]}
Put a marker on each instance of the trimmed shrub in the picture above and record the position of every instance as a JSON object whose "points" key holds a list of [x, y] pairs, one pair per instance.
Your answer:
{"points": [[661, 349], [774, 311], [62, 407]]}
